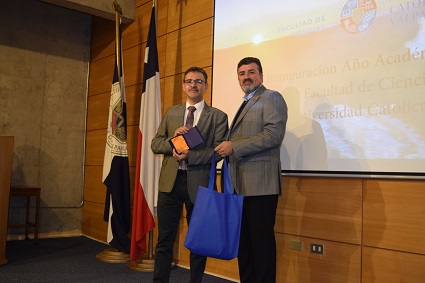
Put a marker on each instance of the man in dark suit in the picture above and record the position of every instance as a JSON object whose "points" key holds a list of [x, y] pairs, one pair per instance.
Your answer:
{"points": [[182, 172], [253, 146]]}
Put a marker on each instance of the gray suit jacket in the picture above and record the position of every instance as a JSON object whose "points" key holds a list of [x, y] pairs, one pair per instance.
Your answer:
{"points": [[256, 137], [213, 126]]}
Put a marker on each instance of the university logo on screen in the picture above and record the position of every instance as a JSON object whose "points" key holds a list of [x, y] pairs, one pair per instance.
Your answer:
{"points": [[357, 15]]}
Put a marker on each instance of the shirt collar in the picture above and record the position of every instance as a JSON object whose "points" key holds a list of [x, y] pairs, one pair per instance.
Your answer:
{"points": [[199, 106], [249, 96]]}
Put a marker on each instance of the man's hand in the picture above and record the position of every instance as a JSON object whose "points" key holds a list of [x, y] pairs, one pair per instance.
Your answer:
{"points": [[180, 131], [182, 155], [224, 149]]}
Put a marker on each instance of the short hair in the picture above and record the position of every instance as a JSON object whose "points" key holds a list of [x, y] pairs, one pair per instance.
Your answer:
{"points": [[195, 69], [249, 60]]}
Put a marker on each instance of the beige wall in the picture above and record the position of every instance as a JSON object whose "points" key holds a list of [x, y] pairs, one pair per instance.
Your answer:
{"points": [[45, 52]]}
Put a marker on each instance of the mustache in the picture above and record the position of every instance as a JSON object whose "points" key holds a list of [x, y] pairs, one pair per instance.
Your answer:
{"points": [[248, 80]]}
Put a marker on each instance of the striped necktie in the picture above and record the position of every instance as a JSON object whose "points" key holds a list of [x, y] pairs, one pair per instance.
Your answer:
{"points": [[189, 123]]}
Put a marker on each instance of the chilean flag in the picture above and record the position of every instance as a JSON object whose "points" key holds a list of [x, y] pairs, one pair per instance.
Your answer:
{"points": [[148, 165]]}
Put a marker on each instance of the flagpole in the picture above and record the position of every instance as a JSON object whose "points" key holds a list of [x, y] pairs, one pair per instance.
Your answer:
{"points": [[118, 14], [155, 3], [150, 243]]}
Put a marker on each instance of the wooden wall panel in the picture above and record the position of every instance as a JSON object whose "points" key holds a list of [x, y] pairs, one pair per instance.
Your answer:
{"points": [[133, 94], [132, 136], [92, 222], [132, 63], [162, 18], [132, 181], [162, 47], [162, 82], [394, 213], [101, 73], [384, 266], [141, 2], [94, 189], [324, 208], [98, 111], [103, 39], [136, 33], [340, 262], [185, 13], [190, 46], [95, 147]]}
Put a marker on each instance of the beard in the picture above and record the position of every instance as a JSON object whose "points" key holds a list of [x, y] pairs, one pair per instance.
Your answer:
{"points": [[247, 89]]}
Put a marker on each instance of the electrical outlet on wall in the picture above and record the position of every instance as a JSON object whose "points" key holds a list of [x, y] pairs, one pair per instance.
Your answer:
{"points": [[317, 249]]}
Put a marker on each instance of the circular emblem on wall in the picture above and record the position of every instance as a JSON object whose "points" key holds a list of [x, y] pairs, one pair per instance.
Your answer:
{"points": [[357, 15]]}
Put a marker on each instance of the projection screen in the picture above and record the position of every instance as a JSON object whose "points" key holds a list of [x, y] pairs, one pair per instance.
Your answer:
{"points": [[352, 73]]}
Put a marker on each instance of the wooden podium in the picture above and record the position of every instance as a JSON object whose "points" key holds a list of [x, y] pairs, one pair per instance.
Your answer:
{"points": [[6, 158]]}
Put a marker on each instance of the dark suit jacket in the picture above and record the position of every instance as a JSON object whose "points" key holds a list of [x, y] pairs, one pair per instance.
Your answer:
{"points": [[213, 126], [256, 137]]}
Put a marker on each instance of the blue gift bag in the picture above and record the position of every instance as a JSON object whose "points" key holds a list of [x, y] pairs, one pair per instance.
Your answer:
{"points": [[215, 224]]}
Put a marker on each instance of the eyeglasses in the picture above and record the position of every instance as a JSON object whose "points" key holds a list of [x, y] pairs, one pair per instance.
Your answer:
{"points": [[190, 81]]}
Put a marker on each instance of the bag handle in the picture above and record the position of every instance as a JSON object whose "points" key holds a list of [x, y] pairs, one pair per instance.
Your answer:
{"points": [[227, 183], [225, 173]]}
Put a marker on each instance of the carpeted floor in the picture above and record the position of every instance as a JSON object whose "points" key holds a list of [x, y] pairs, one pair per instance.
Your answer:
{"points": [[74, 260]]}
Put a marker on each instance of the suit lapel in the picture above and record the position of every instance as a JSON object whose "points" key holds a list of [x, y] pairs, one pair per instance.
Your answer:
{"points": [[179, 112], [250, 103], [204, 116]]}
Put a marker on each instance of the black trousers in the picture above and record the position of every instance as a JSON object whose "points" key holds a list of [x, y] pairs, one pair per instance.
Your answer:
{"points": [[257, 247], [169, 210]]}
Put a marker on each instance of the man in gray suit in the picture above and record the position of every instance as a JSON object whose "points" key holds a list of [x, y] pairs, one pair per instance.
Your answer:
{"points": [[182, 172], [253, 147]]}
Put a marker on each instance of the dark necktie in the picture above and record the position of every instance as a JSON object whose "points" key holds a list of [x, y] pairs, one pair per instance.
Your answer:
{"points": [[240, 110], [189, 123], [190, 117]]}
